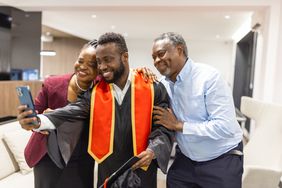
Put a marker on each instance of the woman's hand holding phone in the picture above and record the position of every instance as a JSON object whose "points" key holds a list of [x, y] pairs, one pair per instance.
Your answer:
{"points": [[27, 122]]}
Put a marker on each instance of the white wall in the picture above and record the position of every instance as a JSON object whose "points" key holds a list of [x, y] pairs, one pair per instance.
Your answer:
{"points": [[277, 93], [215, 53], [268, 70], [140, 53]]}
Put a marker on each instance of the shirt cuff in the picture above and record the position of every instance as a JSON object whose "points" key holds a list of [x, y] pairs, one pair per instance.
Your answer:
{"points": [[45, 123]]}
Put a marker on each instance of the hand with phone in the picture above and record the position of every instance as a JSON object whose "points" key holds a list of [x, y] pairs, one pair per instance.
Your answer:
{"points": [[27, 116]]}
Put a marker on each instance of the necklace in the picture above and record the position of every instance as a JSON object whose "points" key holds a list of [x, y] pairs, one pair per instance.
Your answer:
{"points": [[76, 82]]}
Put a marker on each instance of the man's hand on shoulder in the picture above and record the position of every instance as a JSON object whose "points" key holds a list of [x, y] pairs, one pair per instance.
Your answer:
{"points": [[147, 74]]}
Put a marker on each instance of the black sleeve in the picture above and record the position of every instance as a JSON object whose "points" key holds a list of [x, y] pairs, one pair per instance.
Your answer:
{"points": [[76, 111], [160, 139], [69, 122]]}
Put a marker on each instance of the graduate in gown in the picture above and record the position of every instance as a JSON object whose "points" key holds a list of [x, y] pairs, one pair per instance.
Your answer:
{"points": [[120, 110]]}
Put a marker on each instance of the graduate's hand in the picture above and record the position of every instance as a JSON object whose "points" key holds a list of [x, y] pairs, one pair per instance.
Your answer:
{"points": [[147, 74], [165, 117], [146, 158], [24, 121]]}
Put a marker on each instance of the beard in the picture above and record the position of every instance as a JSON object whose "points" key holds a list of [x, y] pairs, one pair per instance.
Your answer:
{"points": [[117, 73], [165, 72]]}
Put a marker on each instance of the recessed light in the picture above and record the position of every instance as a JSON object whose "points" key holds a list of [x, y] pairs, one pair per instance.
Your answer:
{"points": [[93, 16], [217, 36], [227, 17], [113, 26]]}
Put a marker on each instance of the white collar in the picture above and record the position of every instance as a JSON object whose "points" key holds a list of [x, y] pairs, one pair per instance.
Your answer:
{"points": [[120, 93]]}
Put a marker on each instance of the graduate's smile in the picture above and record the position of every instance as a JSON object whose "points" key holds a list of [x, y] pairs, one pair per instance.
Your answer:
{"points": [[107, 75]]}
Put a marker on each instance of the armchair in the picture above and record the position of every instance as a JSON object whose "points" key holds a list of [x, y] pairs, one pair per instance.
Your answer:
{"points": [[263, 152]]}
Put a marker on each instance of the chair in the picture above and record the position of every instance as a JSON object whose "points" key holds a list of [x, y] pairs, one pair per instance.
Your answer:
{"points": [[263, 153]]}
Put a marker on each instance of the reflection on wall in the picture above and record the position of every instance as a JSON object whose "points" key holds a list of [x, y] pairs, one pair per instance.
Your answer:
{"points": [[20, 33], [67, 50], [5, 56]]}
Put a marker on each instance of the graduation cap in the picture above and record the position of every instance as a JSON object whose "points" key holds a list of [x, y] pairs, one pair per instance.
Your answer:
{"points": [[119, 177]]}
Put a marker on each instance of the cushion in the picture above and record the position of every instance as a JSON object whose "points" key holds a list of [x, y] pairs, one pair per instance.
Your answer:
{"points": [[16, 141], [17, 180], [8, 164]]}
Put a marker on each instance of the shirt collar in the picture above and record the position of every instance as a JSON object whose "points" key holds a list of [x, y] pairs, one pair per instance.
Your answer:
{"points": [[184, 71]]}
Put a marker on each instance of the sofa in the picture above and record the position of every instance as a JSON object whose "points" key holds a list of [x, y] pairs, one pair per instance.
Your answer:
{"points": [[14, 172]]}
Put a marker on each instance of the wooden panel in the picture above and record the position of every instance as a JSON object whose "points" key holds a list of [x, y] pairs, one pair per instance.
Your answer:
{"points": [[8, 97], [67, 51]]}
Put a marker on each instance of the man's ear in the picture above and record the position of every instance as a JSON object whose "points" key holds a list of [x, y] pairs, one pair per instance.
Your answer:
{"points": [[124, 57], [180, 50]]}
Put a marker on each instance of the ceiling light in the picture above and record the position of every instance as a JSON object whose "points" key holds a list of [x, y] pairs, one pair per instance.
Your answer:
{"points": [[93, 16], [47, 53], [47, 38], [217, 36], [227, 17], [113, 26]]}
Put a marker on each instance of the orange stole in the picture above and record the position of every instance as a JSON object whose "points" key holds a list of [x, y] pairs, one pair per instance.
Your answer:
{"points": [[102, 117]]}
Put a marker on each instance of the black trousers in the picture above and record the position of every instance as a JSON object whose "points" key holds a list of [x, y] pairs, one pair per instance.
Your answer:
{"points": [[77, 174], [223, 172]]}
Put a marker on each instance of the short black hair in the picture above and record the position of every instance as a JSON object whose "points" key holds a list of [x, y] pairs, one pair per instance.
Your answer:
{"points": [[175, 38], [116, 38]]}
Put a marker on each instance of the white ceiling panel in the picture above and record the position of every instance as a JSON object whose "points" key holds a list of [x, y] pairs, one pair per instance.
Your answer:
{"points": [[194, 19]]}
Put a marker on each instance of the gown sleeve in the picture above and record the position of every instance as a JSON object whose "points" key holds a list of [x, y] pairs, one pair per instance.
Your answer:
{"points": [[161, 139], [69, 122]]}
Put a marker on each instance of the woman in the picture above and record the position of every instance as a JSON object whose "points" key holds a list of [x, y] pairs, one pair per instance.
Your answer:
{"points": [[58, 91]]}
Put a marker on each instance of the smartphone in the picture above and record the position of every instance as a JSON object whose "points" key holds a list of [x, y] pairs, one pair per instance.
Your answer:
{"points": [[25, 98]]}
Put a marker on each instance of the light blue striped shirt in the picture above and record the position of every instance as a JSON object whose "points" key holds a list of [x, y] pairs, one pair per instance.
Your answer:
{"points": [[203, 101]]}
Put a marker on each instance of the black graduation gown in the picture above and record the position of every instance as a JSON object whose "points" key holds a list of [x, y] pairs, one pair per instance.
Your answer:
{"points": [[160, 138], [79, 168]]}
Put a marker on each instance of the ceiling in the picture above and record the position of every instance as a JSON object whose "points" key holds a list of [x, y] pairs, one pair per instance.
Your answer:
{"points": [[194, 19]]}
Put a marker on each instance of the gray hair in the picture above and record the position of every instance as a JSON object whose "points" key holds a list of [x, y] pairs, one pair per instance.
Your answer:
{"points": [[175, 38]]}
